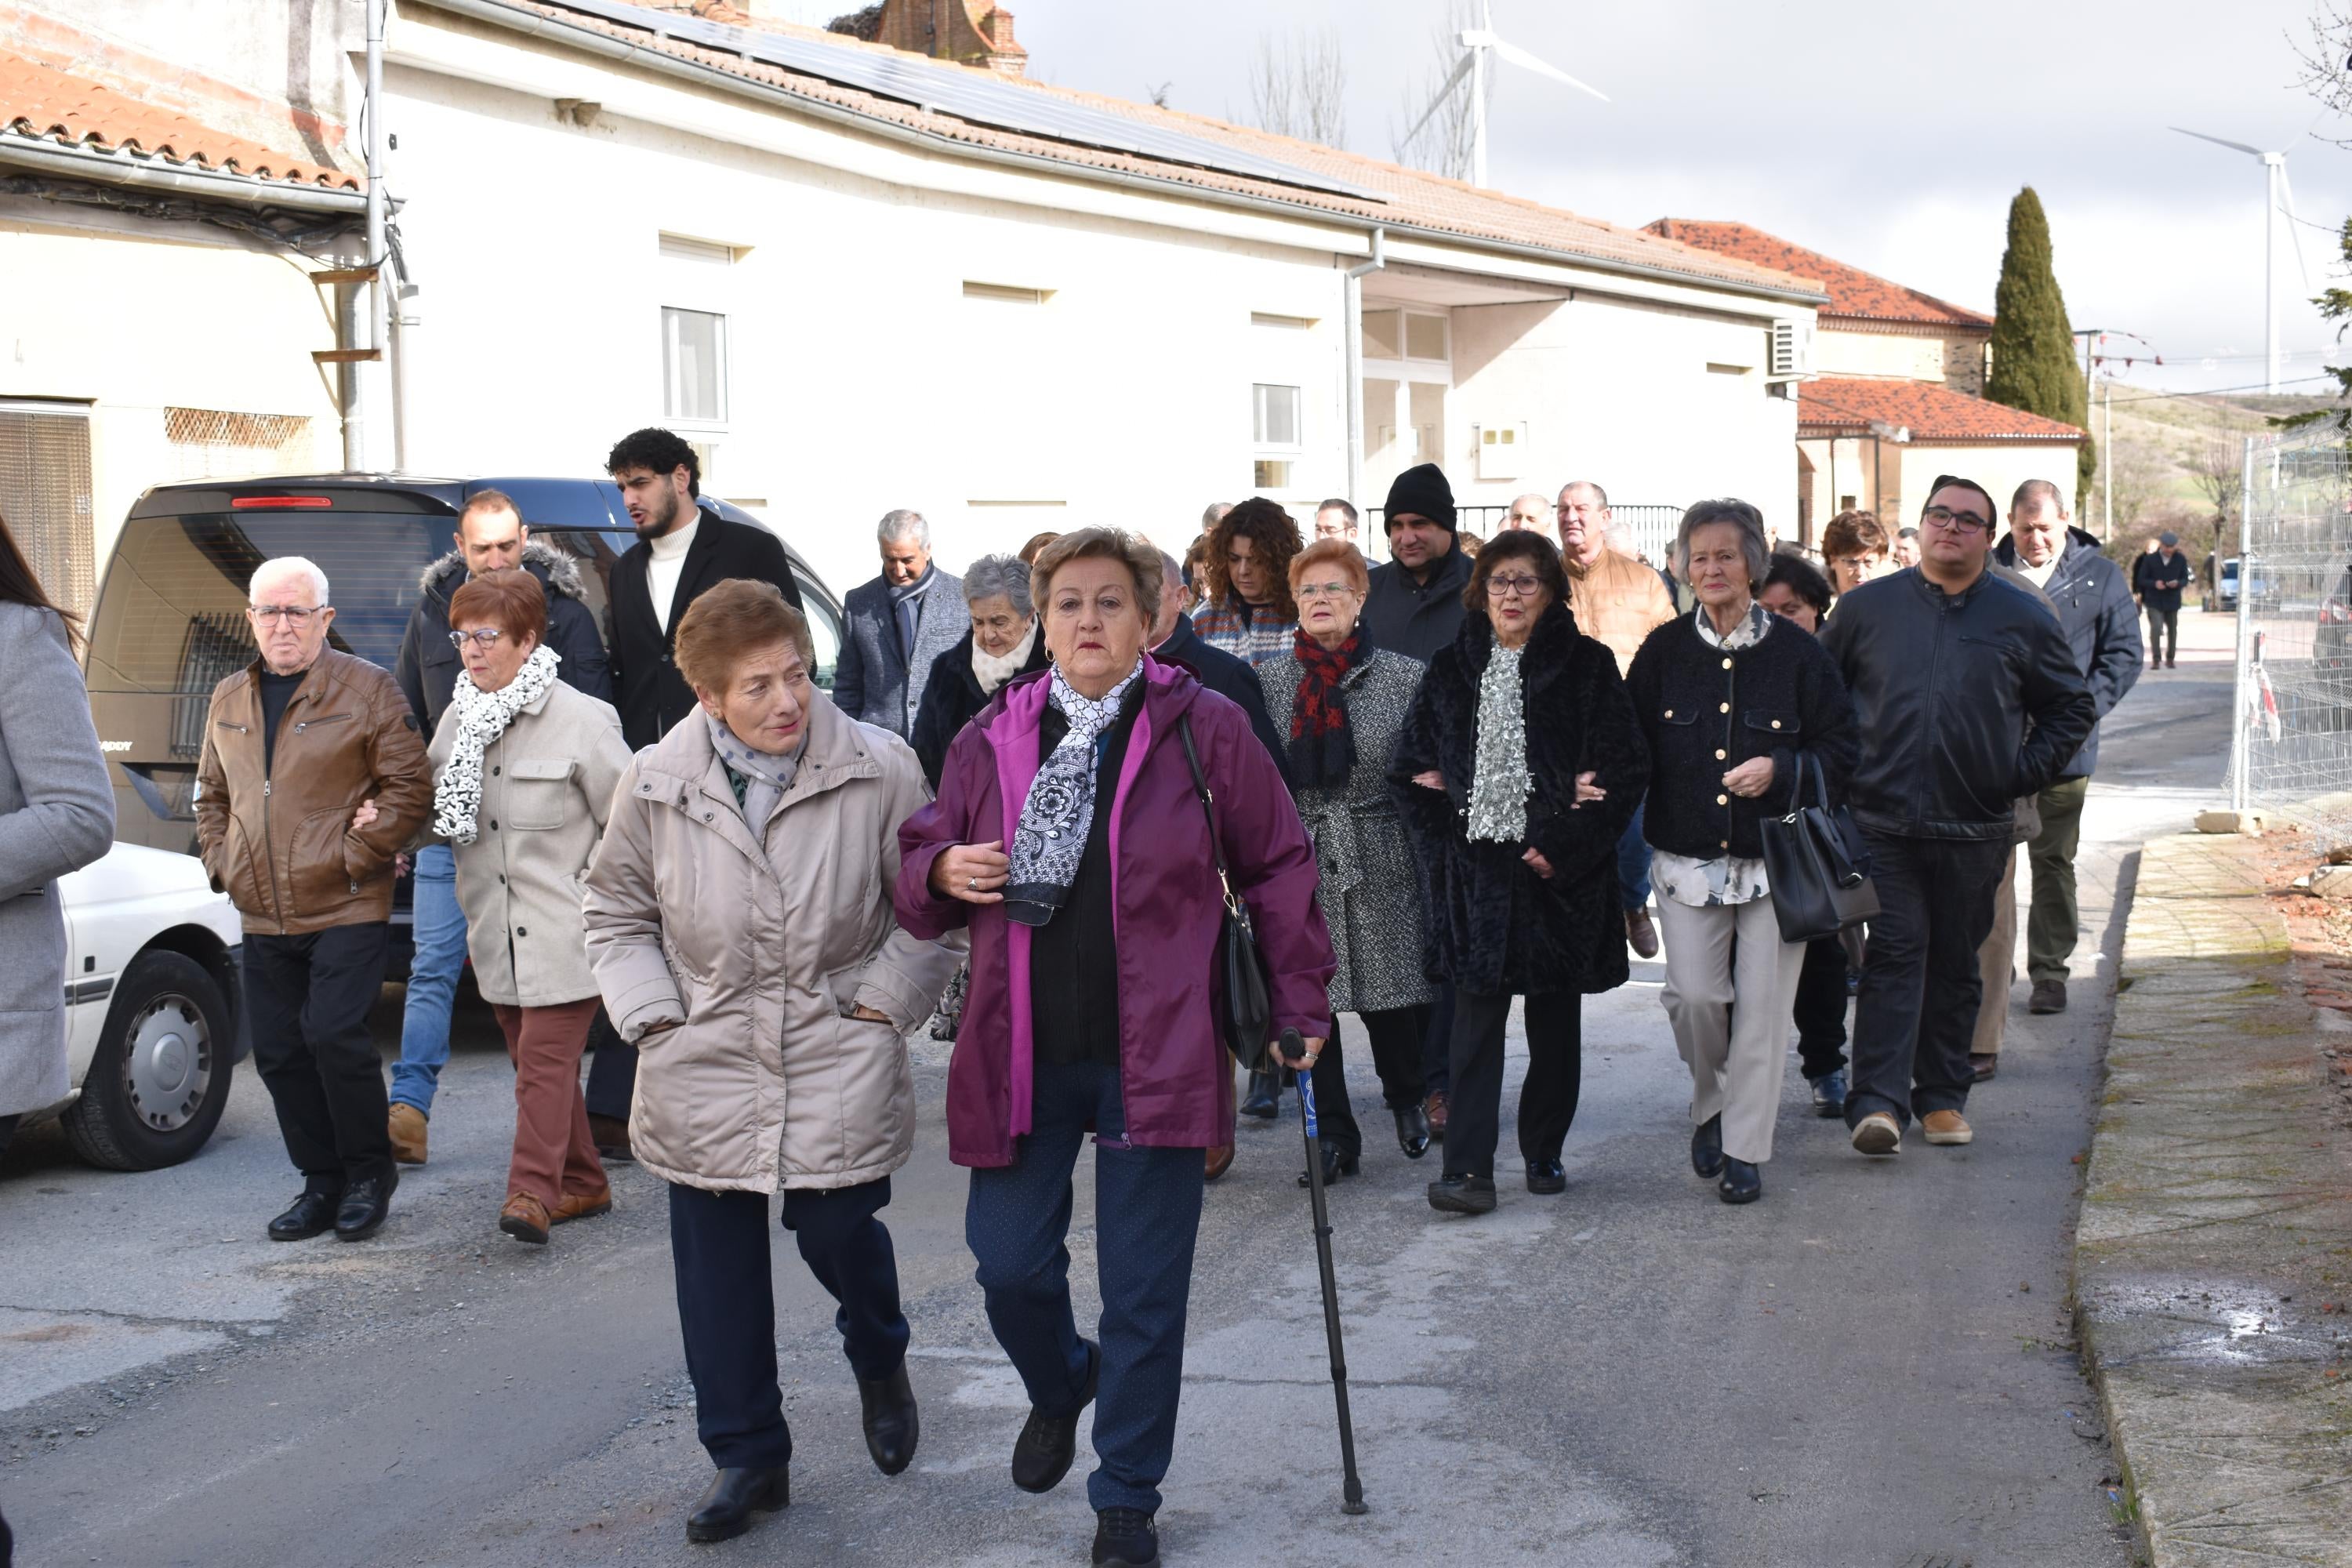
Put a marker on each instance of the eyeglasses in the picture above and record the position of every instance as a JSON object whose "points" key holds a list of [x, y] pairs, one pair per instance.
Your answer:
{"points": [[1944, 517], [481, 639], [1325, 589], [1504, 588], [297, 613]]}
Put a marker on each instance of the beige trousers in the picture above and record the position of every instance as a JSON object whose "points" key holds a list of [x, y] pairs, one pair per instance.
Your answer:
{"points": [[1997, 965], [1736, 1056]]}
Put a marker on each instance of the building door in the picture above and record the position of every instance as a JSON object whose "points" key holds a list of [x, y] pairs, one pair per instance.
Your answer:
{"points": [[44, 494]]}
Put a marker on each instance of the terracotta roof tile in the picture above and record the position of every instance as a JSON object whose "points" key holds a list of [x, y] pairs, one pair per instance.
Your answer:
{"points": [[44, 103], [1415, 199], [1852, 291], [1840, 405]]}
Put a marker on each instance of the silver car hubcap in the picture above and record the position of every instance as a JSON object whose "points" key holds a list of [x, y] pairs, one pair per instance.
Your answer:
{"points": [[167, 1063]]}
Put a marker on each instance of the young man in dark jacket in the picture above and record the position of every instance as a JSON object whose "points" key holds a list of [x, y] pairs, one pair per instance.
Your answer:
{"points": [[2094, 605], [1968, 695], [1413, 605], [491, 537]]}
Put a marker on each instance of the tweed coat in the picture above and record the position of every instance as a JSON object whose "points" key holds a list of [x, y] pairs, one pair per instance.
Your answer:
{"points": [[57, 815], [874, 682], [1369, 893]]}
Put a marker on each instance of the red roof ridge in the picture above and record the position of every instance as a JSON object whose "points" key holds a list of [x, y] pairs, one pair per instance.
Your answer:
{"points": [[1853, 291], [1929, 410]]}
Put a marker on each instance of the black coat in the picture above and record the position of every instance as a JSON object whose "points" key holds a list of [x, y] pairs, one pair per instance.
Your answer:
{"points": [[1229, 678], [1705, 710], [2150, 570], [2102, 626], [427, 667], [952, 696], [1965, 701], [651, 694], [1415, 618], [1490, 924]]}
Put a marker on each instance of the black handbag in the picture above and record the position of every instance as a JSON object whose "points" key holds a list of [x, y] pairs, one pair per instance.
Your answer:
{"points": [[1245, 1006], [1816, 863]]}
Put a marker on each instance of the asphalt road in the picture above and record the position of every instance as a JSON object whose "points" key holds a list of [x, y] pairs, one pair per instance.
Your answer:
{"points": [[1871, 1367]]}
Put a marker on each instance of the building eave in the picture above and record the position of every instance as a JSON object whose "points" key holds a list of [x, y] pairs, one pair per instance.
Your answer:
{"points": [[27, 154]]}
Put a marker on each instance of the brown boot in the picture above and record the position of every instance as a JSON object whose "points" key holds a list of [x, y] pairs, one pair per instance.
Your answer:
{"points": [[525, 1218], [406, 1125], [1983, 1065], [1219, 1161], [1641, 932], [582, 1205], [1436, 1109], [1945, 1129]]}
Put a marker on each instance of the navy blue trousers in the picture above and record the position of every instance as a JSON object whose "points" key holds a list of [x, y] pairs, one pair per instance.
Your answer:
{"points": [[1146, 1217], [726, 1306]]}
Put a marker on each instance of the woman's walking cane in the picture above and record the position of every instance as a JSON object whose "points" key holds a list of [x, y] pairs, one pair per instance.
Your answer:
{"points": [[1351, 1490]]}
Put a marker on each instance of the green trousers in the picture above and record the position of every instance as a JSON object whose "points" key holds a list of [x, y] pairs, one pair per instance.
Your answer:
{"points": [[2050, 927]]}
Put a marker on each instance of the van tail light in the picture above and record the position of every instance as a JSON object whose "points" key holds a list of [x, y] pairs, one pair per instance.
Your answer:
{"points": [[253, 503], [2335, 613]]}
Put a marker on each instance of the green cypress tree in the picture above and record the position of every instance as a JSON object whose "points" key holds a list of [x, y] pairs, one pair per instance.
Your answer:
{"points": [[2033, 363]]}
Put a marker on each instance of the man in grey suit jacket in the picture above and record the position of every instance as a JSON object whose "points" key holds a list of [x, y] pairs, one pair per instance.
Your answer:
{"points": [[897, 625]]}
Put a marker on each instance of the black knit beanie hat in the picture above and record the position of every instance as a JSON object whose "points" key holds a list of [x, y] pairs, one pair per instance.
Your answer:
{"points": [[1423, 490]]}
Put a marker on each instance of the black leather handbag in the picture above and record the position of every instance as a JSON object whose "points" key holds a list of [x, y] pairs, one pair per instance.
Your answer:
{"points": [[1245, 1006], [1818, 867]]}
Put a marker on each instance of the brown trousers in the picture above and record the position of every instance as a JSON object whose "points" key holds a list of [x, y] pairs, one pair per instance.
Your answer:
{"points": [[553, 1153]]}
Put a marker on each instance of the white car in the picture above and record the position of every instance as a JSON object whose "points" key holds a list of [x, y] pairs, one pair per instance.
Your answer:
{"points": [[152, 1019]]}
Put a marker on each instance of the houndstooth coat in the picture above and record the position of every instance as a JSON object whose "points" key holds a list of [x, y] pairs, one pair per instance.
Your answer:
{"points": [[1369, 894]]}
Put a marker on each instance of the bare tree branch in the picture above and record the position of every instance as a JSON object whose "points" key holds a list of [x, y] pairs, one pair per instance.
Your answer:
{"points": [[1300, 87], [2217, 466], [1442, 146]]}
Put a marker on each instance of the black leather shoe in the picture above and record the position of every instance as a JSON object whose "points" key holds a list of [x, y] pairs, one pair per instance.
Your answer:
{"points": [[1042, 1455], [1742, 1182], [1706, 1147], [1462, 1195], [1829, 1093], [1546, 1176], [734, 1495], [313, 1211], [1412, 1130], [1334, 1163], [366, 1203], [892, 1424], [1125, 1537], [1265, 1096]]}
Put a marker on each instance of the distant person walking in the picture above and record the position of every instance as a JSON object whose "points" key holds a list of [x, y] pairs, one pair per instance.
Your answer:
{"points": [[294, 745], [1247, 610], [57, 815], [1967, 697], [2161, 578], [895, 625]]}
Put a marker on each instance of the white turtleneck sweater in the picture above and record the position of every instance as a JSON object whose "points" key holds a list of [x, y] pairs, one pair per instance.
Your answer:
{"points": [[669, 563]]}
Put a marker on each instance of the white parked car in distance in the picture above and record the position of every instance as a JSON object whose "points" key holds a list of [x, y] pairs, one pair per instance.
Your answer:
{"points": [[153, 1023]]}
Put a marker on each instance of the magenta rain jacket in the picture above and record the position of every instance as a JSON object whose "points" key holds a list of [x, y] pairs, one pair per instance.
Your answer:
{"points": [[1175, 1073]]}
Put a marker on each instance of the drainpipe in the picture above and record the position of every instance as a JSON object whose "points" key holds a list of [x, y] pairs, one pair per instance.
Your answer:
{"points": [[361, 439], [1354, 329]]}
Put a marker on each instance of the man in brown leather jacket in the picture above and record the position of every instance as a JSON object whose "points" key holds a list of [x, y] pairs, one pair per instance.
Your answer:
{"points": [[294, 743]]}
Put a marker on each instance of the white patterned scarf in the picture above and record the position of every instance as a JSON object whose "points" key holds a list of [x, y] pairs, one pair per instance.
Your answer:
{"points": [[1051, 838], [765, 775], [482, 718], [1499, 778], [992, 671]]}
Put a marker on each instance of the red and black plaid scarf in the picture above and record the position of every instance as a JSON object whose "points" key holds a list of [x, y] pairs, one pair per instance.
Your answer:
{"points": [[1322, 747]]}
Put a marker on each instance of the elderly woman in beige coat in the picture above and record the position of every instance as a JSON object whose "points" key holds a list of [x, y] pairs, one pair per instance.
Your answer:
{"points": [[740, 923]]}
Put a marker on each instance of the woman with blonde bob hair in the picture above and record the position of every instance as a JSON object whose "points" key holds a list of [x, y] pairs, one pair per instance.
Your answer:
{"points": [[739, 921], [1070, 840]]}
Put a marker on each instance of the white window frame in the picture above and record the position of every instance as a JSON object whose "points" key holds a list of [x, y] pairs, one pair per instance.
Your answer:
{"points": [[1402, 368]]}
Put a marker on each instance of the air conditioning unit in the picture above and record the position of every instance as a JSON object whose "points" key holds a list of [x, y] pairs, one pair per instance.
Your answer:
{"points": [[1502, 449], [1792, 351]]}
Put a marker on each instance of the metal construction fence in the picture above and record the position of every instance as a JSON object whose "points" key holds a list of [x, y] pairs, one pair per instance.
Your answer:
{"points": [[2292, 756]]}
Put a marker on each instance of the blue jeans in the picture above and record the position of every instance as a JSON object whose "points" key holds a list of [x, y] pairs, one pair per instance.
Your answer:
{"points": [[1146, 1217], [1633, 863], [440, 933]]}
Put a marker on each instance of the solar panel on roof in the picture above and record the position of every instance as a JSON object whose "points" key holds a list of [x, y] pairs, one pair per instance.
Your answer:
{"points": [[968, 94]]}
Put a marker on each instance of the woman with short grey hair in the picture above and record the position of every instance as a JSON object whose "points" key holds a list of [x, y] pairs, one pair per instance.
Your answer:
{"points": [[1732, 711], [1003, 642]]}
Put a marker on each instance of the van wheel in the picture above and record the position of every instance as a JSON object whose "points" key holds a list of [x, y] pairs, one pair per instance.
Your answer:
{"points": [[159, 1080]]}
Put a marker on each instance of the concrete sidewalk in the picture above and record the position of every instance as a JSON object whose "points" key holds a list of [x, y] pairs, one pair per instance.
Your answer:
{"points": [[2214, 1261]]}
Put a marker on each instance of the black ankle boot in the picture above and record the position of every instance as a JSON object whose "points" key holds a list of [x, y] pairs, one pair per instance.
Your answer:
{"points": [[1263, 1097], [1412, 1130], [1706, 1147], [892, 1424], [734, 1495]]}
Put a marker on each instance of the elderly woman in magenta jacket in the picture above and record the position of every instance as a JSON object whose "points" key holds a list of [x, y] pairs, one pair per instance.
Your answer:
{"points": [[1091, 1004]]}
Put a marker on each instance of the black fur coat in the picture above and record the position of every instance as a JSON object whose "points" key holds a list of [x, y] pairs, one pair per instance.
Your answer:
{"points": [[1492, 926]]}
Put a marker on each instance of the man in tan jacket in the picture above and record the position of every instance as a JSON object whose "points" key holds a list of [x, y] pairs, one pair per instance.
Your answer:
{"points": [[293, 744], [1620, 601]]}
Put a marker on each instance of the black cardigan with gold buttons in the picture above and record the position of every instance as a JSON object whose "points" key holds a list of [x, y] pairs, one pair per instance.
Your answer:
{"points": [[1704, 710]]}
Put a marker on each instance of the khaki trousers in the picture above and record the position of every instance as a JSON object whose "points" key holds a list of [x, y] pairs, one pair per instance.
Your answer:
{"points": [[1997, 965], [1736, 1056]]}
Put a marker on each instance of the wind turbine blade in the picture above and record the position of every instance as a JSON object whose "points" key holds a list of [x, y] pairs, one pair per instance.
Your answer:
{"points": [[2217, 140], [1526, 61], [1438, 101], [2293, 223]]}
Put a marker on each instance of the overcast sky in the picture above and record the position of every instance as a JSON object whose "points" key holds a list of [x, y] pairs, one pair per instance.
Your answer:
{"points": [[1892, 137]]}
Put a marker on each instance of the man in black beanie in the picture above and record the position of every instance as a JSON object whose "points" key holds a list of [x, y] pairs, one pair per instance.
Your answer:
{"points": [[1414, 604]]}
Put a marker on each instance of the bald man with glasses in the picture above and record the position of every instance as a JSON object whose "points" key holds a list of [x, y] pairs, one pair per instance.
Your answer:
{"points": [[1968, 695]]}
